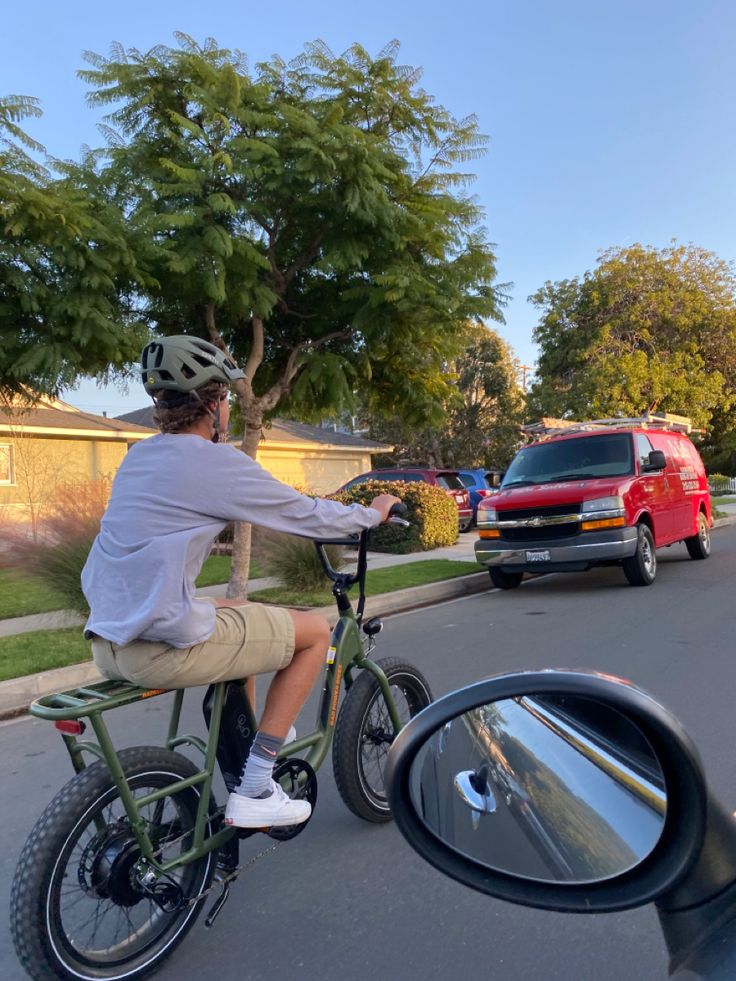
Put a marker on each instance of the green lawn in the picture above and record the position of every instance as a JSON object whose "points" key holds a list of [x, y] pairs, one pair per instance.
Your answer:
{"points": [[22, 595], [379, 581], [217, 570], [41, 650]]}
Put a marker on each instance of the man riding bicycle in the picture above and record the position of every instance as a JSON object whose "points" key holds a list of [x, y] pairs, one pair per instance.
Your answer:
{"points": [[171, 497]]}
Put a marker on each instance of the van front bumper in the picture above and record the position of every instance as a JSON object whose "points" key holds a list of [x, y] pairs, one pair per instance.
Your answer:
{"points": [[574, 554]]}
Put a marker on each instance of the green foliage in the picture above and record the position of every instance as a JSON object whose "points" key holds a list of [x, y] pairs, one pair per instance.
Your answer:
{"points": [[482, 411], [432, 516], [647, 329], [317, 206], [296, 563], [67, 271]]}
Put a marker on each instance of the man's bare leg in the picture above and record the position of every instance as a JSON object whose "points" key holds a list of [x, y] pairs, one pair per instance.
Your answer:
{"points": [[291, 686]]}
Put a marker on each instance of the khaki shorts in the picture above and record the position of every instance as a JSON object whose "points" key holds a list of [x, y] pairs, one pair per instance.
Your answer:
{"points": [[248, 639]]}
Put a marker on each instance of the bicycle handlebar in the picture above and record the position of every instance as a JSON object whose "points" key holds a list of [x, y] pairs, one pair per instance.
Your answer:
{"points": [[397, 515]]}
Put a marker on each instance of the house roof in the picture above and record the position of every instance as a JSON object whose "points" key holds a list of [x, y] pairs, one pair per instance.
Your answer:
{"points": [[284, 432], [53, 417]]}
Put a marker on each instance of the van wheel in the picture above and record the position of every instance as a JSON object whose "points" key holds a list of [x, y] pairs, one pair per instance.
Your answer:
{"points": [[698, 546], [641, 568], [505, 580]]}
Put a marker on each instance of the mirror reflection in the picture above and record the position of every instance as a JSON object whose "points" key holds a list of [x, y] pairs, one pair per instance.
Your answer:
{"points": [[551, 788]]}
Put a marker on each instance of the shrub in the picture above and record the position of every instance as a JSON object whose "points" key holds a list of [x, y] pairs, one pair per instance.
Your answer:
{"points": [[57, 554], [295, 561], [719, 483], [432, 514]]}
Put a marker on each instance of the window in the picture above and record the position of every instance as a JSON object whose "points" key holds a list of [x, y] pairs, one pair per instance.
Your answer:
{"points": [[449, 481], [407, 478], [576, 458], [643, 449], [7, 475]]}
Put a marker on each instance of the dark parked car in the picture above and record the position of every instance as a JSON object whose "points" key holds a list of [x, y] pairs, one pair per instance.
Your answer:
{"points": [[480, 483], [448, 480]]}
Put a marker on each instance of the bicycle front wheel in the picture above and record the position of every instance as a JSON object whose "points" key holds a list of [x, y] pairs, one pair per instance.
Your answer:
{"points": [[364, 733], [78, 908]]}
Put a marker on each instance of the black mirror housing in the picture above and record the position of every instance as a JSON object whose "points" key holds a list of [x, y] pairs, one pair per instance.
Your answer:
{"points": [[657, 461], [655, 875]]}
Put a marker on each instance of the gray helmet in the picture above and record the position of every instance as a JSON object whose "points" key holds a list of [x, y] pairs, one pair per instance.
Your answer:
{"points": [[183, 363]]}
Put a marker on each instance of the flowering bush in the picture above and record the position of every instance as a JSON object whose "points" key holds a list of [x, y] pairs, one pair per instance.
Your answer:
{"points": [[432, 514]]}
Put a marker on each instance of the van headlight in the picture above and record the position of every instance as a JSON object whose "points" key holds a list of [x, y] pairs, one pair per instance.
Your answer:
{"points": [[603, 512], [615, 503], [486, 516]]}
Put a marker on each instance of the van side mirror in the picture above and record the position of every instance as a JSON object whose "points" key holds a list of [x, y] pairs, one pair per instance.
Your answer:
{"points": [[657, 461]]}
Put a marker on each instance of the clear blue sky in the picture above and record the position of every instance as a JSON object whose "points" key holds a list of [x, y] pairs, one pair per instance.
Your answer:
{"points": [[610, 121]]}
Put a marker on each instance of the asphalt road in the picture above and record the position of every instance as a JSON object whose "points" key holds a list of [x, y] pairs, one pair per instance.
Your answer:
{"points": [[347, 901]]}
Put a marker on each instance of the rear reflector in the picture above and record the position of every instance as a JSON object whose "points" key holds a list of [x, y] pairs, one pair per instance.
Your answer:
{"points": [[70, 727]]}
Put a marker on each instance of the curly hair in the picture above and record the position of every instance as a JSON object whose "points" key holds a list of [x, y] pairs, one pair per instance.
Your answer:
{"points": [[184, 412]]}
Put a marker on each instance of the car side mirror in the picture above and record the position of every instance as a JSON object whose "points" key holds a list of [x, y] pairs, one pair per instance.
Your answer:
{"points": [[657, 461], [566, 791]]}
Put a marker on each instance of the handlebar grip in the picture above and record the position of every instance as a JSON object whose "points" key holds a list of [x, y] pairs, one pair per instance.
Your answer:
{"points": [[399, 510]]}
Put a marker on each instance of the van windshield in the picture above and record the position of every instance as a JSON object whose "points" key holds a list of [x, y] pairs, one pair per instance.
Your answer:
{"points": [[584, 458]]}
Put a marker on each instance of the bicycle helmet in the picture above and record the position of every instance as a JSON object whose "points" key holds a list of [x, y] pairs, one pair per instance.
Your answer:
{"points": [[182, 364]]}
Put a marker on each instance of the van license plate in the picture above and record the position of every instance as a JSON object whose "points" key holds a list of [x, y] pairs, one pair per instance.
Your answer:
{"points": [[539, 555]]}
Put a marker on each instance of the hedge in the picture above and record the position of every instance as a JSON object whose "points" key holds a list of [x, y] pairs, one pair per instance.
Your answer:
{"points": [[432, 515]]}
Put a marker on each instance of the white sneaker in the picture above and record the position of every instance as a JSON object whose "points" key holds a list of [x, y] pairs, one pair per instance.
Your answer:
{"points": [[277, 810], [290, 736]]}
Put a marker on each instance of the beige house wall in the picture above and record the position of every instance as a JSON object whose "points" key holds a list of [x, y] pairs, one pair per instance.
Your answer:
{"points": [[319, 470], [42, 464]]}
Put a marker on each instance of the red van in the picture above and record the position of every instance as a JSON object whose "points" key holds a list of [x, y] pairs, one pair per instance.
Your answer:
{"points": [[607, 492]]}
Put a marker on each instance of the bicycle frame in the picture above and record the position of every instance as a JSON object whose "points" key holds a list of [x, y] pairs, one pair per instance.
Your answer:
{"points": [[345, 654]]}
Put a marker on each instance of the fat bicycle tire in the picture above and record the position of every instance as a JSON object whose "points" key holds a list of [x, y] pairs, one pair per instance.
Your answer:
{"points": [[364, 733], [75, 871]]}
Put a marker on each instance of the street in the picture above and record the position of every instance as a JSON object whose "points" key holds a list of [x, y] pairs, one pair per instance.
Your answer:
{"points": [[348, 901]]}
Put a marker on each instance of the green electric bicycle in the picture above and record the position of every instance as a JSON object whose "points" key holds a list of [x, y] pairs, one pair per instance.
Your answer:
{"points": [[119, 865]]}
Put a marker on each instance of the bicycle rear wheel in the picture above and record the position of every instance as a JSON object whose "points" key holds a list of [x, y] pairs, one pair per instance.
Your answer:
{"points": [[364, 733], [78, 908]]}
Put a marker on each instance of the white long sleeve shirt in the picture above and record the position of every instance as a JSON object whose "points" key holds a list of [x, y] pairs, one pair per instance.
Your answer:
{"points": [[171, 497]]}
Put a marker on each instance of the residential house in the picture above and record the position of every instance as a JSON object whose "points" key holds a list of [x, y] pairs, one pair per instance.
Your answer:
{"points": [[307, 457], [50, 445]]}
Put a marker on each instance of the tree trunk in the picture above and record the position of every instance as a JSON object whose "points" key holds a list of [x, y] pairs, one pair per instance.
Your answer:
{"points": [[237, 587]]}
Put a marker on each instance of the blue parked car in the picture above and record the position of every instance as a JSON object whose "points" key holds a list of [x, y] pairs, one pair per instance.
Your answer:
{"points": [[480, 483]]}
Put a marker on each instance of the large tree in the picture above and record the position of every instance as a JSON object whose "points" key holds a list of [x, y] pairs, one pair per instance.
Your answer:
{"points": [[648, 329], [482, 411], [309, 217], [67, 269]]}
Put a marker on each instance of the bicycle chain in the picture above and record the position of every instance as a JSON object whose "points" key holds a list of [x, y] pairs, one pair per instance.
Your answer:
{"points": [[231, 876]]}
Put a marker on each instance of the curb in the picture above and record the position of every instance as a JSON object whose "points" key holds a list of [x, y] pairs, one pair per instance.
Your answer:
{"points": [[18, 693]]}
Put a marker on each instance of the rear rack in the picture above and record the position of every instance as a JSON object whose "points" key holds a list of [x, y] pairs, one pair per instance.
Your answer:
{"points": [[556, 427], [90, 700]]}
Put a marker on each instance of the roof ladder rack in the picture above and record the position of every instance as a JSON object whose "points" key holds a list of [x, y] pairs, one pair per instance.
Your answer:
{"points": [[556, 427]]}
